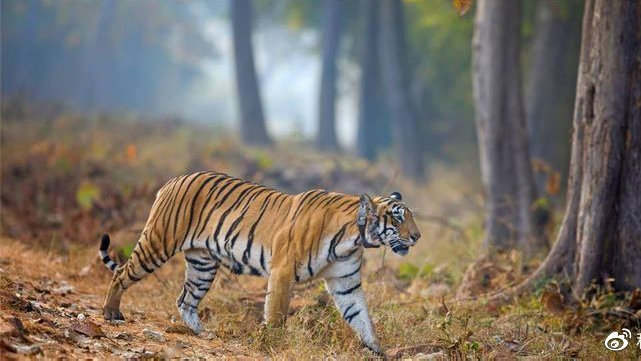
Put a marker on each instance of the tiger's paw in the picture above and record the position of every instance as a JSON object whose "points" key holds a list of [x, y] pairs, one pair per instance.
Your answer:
{"points": [[376, 350], [114, 316]]}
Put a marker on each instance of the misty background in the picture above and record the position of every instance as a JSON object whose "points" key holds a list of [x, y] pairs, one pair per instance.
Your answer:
{"points": [[175, 59]]}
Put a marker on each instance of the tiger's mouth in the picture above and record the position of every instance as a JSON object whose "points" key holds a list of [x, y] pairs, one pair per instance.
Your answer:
{"points": [[400, 246]]}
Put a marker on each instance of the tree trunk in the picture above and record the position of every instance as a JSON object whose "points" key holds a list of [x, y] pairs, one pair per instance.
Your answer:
{"points": [[600, 233], [252, 121], [97, 50], [326, 137], [551, 83], [394, 65], [503, 146], [369, 114]]}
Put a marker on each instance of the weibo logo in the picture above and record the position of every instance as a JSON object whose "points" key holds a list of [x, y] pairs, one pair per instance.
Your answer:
{"points": [[618, 341]]}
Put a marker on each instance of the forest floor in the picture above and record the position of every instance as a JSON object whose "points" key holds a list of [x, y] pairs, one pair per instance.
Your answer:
{"points": [[68, 177]]}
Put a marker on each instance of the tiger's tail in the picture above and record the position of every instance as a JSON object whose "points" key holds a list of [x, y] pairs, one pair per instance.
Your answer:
{"points": [[104, 255]]}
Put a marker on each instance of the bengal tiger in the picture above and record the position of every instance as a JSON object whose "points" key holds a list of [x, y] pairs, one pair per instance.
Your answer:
{"points": [[215, 219]]}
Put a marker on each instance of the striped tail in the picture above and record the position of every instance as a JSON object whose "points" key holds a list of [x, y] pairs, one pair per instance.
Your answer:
{"points": [[104, 246]]}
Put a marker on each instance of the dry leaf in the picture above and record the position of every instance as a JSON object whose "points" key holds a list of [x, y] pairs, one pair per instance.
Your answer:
{"points": [[462, 6], [178, 328], [87, 328], [635, 300], [131, 153], [552, 301], [553, 183]]}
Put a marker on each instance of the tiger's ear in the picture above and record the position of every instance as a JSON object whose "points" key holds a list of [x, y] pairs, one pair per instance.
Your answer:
{"points": [[396, 195]]}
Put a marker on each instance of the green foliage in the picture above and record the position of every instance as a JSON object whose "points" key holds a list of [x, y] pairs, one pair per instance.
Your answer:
{"points": [[426, 271], [406, 271], [87, 194], [127, 250]]}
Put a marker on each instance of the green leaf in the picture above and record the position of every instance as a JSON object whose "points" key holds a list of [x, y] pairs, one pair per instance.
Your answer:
{"points": [[406, 271], [86, 194]]}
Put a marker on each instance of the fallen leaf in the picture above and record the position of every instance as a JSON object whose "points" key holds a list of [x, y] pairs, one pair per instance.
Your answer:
{"points": [[153, 335], [87, 328], [178, 328], [635, 300], [462, 6], [11, 326], [552, 301]]}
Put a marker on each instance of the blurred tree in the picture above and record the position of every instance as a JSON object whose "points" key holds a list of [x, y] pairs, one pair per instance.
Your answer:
{"points": [[252, 120], [551, 81], [97, 56], [140, 56], [439, 58], [395, 81], [503, 143], [332, 28], [369, 117], [599, 236]]}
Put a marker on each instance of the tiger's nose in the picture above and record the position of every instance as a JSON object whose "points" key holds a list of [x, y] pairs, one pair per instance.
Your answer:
{"points": [[415, 236]]}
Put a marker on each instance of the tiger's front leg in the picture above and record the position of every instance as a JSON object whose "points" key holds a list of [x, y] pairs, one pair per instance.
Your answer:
{"points": [[350, 301], [278, 294]]}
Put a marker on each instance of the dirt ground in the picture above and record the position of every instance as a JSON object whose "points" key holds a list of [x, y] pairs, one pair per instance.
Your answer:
{"points": [[51, 306]]}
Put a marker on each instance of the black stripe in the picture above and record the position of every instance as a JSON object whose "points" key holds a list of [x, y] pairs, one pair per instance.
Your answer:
{"points": [[262, 258], [349, 290], [309, 263], [353, 272], [142, 264], [178, 209], [250, 237], [191, 212], [351, 317], [348, 308]]}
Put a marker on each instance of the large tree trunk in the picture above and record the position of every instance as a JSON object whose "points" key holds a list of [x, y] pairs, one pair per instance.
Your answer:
{"points": [[326, 137], [600, 233], [503, 146], [394, 64], [252, 121], [369, 112], [551, 82]]}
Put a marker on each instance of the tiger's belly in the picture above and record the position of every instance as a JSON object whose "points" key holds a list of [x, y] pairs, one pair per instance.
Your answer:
{"points": [[241, 257]]}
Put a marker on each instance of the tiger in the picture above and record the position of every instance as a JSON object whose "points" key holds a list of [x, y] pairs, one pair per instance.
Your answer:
{"points": [[215, 219]]}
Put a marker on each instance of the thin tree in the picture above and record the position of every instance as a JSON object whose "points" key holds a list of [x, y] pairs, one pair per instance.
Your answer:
{"points": [[395, 80], [601, 229], [332, 27], [252, 120], [369, 111], [502, 136]]}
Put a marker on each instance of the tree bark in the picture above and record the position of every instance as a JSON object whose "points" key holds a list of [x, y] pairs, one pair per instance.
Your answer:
{"points": [[551, 82], [332, 26], [600, 233], [366, 141], [394, 64], [252, 120], [503, 145]]}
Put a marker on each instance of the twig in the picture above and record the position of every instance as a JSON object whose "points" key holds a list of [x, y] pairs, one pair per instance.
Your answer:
{"points": [[443, 222]]}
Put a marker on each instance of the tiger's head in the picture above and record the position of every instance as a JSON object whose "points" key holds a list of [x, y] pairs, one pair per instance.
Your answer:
{"points": [[387, 221]]}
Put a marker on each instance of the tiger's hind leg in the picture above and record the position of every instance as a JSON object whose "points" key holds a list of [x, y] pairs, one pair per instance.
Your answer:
{"points": [[200, 271], [142, 262]]}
